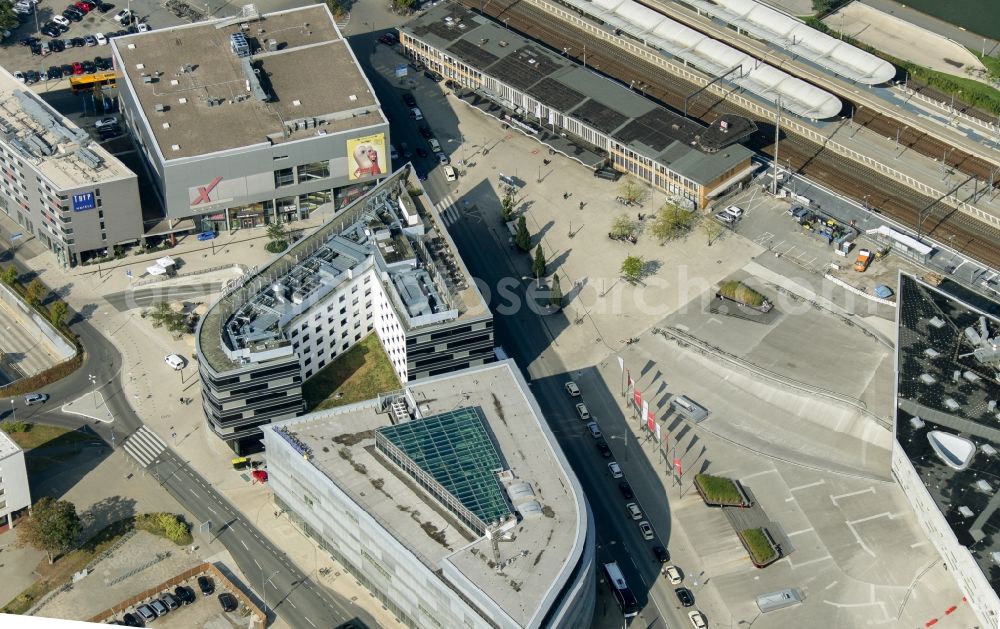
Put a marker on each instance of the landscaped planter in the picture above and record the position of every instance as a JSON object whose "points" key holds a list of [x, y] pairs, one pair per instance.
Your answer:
{"points": [[718, 491], [759, 546]]}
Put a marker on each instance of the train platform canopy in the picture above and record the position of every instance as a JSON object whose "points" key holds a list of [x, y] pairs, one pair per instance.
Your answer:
{"points": [[713, 57], [798, 39]]}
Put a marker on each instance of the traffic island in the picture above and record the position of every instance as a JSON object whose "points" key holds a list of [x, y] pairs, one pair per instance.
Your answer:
{"points": [[762, 539], [759, 546], [718, 491]]}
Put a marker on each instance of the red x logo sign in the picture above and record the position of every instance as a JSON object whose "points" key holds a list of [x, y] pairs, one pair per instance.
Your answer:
{"points": [[204, 191]]}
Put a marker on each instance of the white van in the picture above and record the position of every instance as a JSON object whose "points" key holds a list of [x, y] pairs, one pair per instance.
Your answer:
{"points": [[416, 114], [449, 173], [435, 145]]}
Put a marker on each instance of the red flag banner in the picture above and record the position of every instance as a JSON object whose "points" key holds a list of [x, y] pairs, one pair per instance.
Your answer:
{"points": [[631, 382], [650, 422], [637, 396], [677, 466]]}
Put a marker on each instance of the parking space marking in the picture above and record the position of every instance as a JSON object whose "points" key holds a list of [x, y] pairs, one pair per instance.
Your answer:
{"points": [[870, 490], [807, 486], [831, 585], [800, 532], [871, 517], [918, 544], [761, 473], [858, 539], [806, 563]]}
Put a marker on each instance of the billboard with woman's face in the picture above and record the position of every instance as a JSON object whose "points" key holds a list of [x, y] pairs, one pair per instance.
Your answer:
{"points": [[367, 156]]}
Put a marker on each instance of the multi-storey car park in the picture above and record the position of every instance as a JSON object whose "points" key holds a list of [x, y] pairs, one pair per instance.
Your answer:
{"points": [[946, 455], [250, 120], [380, 265], [450, 500], [576, 111], [58, 184]]}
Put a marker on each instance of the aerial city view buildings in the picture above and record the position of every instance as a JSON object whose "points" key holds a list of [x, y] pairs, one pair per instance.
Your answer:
{"points": [[463, 313]]}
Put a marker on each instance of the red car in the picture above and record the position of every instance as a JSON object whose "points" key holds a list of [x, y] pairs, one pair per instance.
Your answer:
{"points": [[77, 67], [259, 475], [83, 6]]}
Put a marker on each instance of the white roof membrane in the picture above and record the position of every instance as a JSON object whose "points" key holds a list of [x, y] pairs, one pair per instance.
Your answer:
{"points": [[771, 25], [713, 56]]}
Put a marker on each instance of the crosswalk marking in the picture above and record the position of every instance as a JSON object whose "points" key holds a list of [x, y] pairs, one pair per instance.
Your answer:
{"points": [[144, 445], [448, 211]]}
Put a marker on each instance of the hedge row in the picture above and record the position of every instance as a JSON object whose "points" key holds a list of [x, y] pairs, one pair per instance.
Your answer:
{"points": [[737, 291]]}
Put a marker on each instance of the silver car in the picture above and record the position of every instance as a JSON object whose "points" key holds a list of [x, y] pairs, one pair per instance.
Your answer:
{"points": [[35, 398]]}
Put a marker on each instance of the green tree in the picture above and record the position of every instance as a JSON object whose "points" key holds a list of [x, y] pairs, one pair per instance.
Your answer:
{"points": [[555, 295], [712, 229], [632, 268], [277, 235], [35, 291], [538, 264], [623, 226], [403, 6], [52, 527], [173, 527], [671, 222], [163, 315], [9, 275], [507, 207], [522, 238], [57, 313], [336, 8], [632, 190], [8, 19]]}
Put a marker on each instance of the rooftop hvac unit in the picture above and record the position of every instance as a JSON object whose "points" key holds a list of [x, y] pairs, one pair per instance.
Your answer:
{"points": [[159, 107], [966, 512], [937, 322], [930, 352], [147, 78], [987, 449], [917, 423], [238, 42], [983, 486], [272, 45]]}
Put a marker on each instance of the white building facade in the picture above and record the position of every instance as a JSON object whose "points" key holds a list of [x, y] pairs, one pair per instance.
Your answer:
{"points": [[15, 495]]}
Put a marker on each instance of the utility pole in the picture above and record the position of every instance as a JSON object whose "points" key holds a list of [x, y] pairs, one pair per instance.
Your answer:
{"points": [[777, 132]]}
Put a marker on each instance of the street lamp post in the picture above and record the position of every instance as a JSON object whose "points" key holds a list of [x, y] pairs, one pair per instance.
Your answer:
{"points": [[93, 380], [263, 586]]}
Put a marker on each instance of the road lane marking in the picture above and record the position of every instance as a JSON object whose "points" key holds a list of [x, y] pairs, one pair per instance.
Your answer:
{"points": [[244, 544], [309, 621]]}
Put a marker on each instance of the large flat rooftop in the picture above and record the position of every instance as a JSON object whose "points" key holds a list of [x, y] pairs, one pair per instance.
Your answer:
{"points": [[562, 84], [947, 421], [61, 151], [383, 230], [7, 446], [544, 544], [197, 101]]}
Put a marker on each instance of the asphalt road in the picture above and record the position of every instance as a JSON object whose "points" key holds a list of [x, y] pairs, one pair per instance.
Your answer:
{"points": [[526, 337], [300, 602], [146, 297]]}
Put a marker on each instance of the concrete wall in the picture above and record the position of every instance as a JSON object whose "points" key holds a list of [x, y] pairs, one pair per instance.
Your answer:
{"points": [[968, 575], [56, 342], [13, 484]]}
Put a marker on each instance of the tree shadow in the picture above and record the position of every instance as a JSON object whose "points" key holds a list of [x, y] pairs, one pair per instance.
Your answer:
{"points": [[83, 314], [106, 511], [651, 268], [544, 229]]}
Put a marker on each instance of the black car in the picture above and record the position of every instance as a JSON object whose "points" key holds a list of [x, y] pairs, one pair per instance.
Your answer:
{"points": [[184, 594], [602, 447], [31, 76], [28, 41], [76, 42], [54, 73], [57, 45], [36, 49], [67, 70], [434, 76], [684, 596], [421, 152], [72, 16], [661, 554], [104, 7], [88, 67], [409, 100], [626, 490], [425, 132], [206, 585], [51, 29], [131, 620], [228, 602], [102, 63]]}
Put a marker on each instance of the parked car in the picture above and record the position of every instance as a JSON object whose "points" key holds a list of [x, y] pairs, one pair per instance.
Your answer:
{"points": [[583, 411], [634, 511], [35, 398], [31, 77], [602, 447], [122, 15], [67, 69], [72, 14], [615, 469], [206, 585], [425, 132], [646, 529], [184, 594], [90, 40], [449, 174], [722, 217], [19, 76], [409, 100], [421, 152], [159, 607], [863, 261], [697, 619], [388, 39], [626, 490], [169, 600], [684, 596], [54, 72], [595, 430], [228, 602], [89, 67], [101, 39], [77, 42], [443, 159], [51, 29], [572, 389], [176, 361], [103, 63], [131, 620], [143, 27], [203, 236], [673, 575], [147, 613], [734, 211], [57, 45], [104, 7], [661, 554]]}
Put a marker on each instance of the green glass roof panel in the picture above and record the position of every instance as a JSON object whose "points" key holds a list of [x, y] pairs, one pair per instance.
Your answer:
{"points": [[455, 449]]}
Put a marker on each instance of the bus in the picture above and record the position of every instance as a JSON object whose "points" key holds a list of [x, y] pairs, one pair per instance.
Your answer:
{"points": [[83, 83], [626, 599]]}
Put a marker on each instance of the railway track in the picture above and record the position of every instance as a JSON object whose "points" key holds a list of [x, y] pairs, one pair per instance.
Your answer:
{"points": [[881, 194]]}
